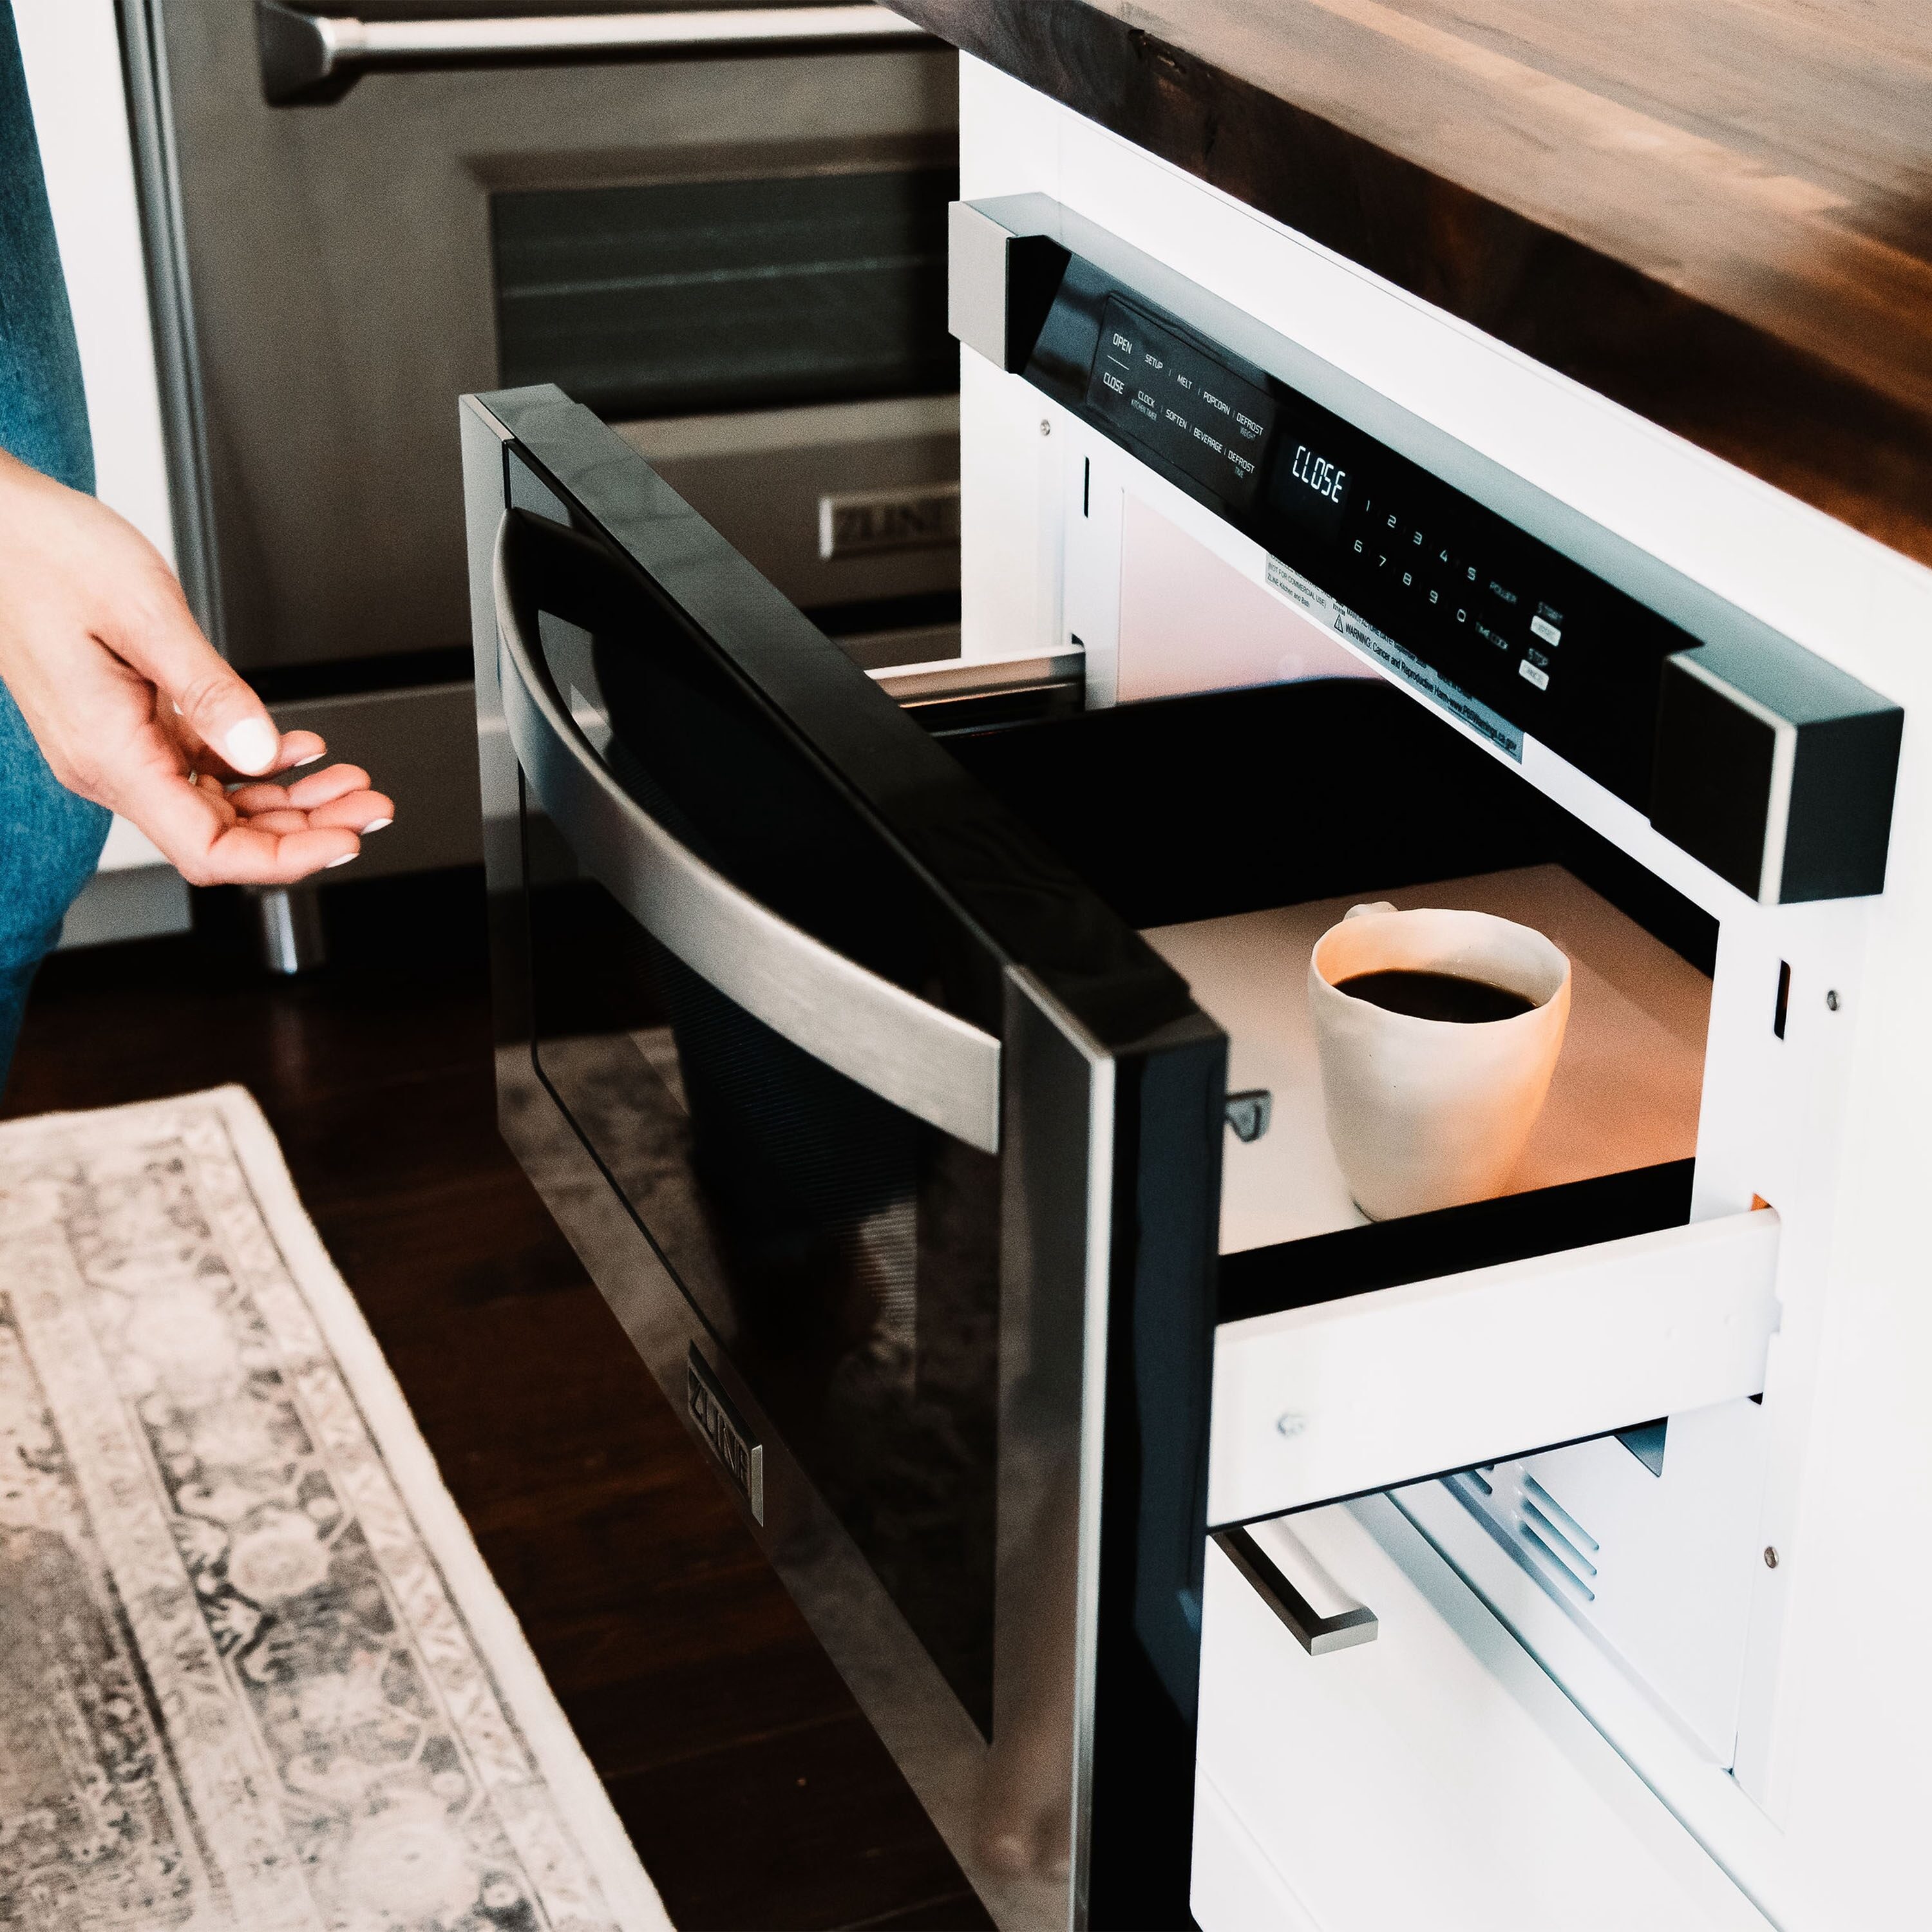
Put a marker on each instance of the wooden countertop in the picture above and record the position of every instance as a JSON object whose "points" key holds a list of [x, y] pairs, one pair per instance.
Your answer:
{"points": [[1718, 212]]}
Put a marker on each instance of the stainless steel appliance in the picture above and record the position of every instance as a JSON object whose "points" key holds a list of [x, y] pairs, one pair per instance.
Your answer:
{"points": [[873, 1036], [724, 229]]}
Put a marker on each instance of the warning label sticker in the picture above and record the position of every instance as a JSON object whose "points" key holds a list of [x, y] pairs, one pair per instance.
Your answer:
{"points": [[1391, 656]]}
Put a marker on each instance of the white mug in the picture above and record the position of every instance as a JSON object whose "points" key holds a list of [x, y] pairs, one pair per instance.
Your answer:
{"points": [[1425, 1113]]}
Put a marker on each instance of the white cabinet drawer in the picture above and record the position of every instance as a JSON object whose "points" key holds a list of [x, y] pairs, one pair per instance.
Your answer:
{"points": [[1435, 1778], [1369, 1391]]}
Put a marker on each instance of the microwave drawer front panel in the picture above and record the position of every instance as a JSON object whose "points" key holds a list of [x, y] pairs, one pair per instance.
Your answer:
{"points": [[1435, 1778], [934, 1065], [1374, 1389], [870, 1066]]}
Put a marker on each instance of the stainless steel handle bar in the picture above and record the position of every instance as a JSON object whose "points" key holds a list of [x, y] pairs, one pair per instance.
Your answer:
{"points": [[317, 56], [936, 1065], [1346, 1625]]}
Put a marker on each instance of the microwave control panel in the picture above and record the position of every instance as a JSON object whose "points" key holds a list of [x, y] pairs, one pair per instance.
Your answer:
{"points": [[1515, 636], [1771, 765]]}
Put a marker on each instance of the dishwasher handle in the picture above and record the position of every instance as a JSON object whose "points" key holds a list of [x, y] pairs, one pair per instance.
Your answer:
{"points": [[1346, 1623], [317, 57], [940, 1068]]}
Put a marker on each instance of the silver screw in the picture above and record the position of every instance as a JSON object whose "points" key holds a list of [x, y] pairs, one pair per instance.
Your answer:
{"points": [[1046, 427], [1831, 1003], [1770, 1557]]}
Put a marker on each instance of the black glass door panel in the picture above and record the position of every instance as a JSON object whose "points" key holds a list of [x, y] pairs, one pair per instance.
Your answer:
{"points": [[872, 1259], [843, 1253]]}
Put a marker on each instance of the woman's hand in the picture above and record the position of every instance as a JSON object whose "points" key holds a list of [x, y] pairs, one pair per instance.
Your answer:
{"points": [[132, 707]]}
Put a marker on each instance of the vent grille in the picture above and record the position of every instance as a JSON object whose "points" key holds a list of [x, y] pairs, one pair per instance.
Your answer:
{"points": [[1551, 1544], [684, 298]]}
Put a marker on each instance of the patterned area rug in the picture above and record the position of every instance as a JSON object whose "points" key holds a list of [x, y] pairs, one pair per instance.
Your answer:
{"points": [[254, 1674]]}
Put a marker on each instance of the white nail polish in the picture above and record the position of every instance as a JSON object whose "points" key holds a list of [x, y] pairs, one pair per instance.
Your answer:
{"points": [[376, 825], [251, 745], [313, 758], [342, 861]]}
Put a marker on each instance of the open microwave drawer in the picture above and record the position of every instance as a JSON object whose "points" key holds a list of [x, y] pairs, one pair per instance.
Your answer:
{"points": [[902, 1035]]}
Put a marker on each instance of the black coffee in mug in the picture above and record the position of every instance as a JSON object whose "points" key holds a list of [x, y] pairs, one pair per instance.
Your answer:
{"points": [[1435, 996]]}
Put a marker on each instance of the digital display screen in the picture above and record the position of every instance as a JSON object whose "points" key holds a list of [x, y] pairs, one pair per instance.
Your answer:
{"points": [[1311, 487], [1170, 397]]}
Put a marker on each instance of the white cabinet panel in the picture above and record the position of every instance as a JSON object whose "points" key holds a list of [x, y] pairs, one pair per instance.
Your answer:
{"points": [[1368, 1390], [1435, 1778]]}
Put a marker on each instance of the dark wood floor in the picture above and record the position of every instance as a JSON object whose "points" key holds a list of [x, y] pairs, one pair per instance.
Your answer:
{"points": [[755, 1791]]}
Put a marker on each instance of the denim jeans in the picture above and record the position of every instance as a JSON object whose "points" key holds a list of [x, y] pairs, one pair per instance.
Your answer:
{"points": [[50, 839], [43, 406]]}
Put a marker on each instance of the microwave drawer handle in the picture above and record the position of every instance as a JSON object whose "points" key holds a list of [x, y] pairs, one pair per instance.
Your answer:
{"points": [[309, 56], [929, 1062], [1345, 1625]]}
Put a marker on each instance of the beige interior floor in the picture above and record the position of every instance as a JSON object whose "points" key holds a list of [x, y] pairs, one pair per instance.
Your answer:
{"points": [[1626, 1090]]}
